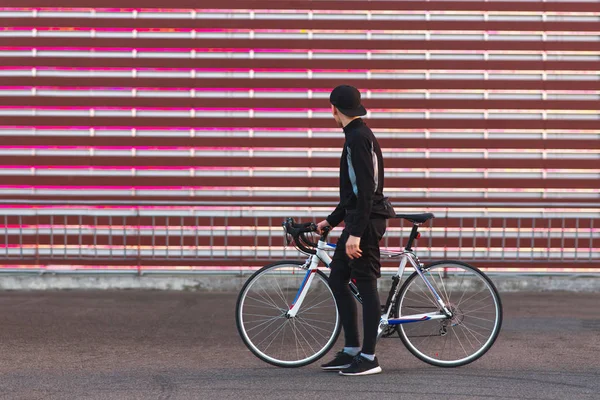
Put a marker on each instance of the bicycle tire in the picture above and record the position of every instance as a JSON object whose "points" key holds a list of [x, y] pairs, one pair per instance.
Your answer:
{"points": [[466, 331], [329, 338]]}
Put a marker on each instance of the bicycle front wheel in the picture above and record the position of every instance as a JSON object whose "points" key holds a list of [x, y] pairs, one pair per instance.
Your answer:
{"points": [[476, 314], [266, 330]]}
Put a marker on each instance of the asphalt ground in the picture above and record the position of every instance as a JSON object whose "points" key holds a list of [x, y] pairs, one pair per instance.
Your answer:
{"points": [[184, 345]]}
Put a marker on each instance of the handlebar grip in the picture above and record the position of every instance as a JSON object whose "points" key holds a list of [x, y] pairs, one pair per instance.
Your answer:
{"points": [[301, 228], [297, 231]]}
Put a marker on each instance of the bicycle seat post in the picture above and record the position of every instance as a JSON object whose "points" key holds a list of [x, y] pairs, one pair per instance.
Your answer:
{"points": [[416, 219], [414, 234]]}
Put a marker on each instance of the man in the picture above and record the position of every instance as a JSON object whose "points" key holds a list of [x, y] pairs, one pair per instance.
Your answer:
{"points": [[364, 210]]}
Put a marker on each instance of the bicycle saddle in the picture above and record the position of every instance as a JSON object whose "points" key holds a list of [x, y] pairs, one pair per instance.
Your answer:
{"points": [[416, 218]]}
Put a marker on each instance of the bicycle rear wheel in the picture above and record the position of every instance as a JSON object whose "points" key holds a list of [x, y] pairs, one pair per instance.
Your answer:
{"points": [[261, 316], [474, 302]]}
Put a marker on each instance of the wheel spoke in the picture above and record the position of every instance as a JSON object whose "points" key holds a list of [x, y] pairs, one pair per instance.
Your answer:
{"points": [[262, 321], [316, 320], [264, 301], [273, 332], [461, 282], [282, 343], [480, 300], [466, 337], [427, 293], [262, 330], [296, 339], [319, 295], [315, 340], [423, 297], [459, 342], [280, 292], [301, 312], [480, 308], [472, 333], [303, 337], [269, 296], [425, 338], [311, 307], [260, 306], [316, 329], [483, 319], [480, 312], [447, 300], [469, 298], [485, 328], [444, 345], [262, 315], [280, 329]]}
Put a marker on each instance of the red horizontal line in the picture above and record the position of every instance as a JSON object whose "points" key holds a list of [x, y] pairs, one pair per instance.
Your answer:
{"points": [[74, 229], [54, 23], [361, 84], [218, 184], [269, 200], [29, 225], [84, 89], [237, 264], [454, 107], [282, 183], [239, 129], [298, 5], [294, 162], [302, 45], [166, 90], [278, 104], [430, 204], [247, 243], [74, 267], [222, 65], [201, 142], [378, 123], [274, 167], [107, 25]]}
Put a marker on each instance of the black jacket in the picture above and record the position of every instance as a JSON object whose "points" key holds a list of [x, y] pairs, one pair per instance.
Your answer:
{"points": [[361, 179]]}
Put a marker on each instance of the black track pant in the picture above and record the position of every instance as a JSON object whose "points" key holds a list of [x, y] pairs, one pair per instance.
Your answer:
{"points": [[364, 271]]}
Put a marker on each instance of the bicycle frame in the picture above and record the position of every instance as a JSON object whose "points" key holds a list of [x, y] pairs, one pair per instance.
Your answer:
{"points": [[406, 257]]}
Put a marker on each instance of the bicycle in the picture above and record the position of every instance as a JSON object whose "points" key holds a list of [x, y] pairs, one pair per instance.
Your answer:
{"points": [[286, 313]]}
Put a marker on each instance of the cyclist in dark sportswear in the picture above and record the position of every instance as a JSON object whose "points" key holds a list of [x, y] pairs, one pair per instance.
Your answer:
{"points": [[363, 209]]}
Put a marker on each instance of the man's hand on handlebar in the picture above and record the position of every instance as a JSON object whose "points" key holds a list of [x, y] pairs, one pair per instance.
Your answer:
{"points": [[322, 225]]}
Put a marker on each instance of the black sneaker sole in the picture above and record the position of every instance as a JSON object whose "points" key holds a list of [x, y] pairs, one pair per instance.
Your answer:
{"points": [[371, 371]]}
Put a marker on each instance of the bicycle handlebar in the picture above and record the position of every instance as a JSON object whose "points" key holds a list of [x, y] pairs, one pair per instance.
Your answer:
{"points": [[298, 233]]}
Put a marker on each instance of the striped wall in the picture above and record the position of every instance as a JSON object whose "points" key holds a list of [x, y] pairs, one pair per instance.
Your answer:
{"points": [[475, 103]]}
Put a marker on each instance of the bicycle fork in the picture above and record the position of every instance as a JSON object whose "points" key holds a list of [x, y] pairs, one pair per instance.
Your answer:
{"points": [[295, 306], [311, 269]]}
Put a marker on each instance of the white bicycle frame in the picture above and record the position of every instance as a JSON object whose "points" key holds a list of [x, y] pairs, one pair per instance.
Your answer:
{"points": [[312, 264]]}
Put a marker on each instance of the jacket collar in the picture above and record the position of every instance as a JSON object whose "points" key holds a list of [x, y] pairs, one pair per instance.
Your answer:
{"points": [[355, 123]]}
